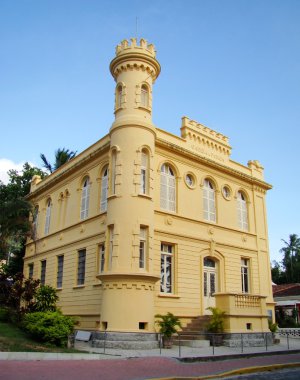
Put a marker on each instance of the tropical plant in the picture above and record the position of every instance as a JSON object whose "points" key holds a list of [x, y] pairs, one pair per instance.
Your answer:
{"points": [[216, 320], [291, 259], [61, 157], [46, 298], [168, 324], [273, 327]]}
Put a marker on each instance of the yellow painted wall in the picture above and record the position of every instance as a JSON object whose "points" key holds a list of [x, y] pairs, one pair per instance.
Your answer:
{"points": [[124, 295]]}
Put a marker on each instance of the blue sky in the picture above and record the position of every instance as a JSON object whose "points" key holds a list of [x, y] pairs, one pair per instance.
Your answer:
{"points": [[231, 65]]}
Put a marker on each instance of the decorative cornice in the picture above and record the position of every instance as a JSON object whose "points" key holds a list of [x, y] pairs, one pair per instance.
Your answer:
{"points": [[55, 177], [213, 164]]}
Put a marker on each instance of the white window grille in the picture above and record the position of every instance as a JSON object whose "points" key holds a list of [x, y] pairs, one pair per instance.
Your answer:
{"points": [[242, 211], [167, 188], [104, 190], [48, 217], [85, 199], [245, 275], [209, 204], [166, 268]]}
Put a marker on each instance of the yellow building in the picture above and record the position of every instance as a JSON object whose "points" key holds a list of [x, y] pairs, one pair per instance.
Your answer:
{"points": [[146, 222]]}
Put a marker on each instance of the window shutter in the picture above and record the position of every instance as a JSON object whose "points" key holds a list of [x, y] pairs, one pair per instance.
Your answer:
{"points": [[163, 191]]}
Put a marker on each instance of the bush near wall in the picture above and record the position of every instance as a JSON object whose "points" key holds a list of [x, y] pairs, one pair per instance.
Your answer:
{"points": [[51, 327]]}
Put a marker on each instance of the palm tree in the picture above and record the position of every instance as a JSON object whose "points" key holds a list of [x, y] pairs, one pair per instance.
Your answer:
{"points": [[291, 257], [61, 157]]}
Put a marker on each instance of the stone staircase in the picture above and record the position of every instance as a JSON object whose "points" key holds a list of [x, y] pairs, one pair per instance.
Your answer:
{"points": [[193, 334]]}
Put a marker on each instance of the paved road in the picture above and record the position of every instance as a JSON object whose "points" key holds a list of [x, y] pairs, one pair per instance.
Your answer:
{"points": [[130, 369], [284, 374]]}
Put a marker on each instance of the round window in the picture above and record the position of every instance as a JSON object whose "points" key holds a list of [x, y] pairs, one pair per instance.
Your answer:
{"points": [[226, 192], [189, 180]]}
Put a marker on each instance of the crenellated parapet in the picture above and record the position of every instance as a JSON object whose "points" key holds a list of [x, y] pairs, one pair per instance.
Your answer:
{"points": [[133, 56], [206, 139], [124, 47]]}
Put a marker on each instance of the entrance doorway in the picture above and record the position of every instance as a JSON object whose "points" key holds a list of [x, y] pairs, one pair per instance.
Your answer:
{"points": [[210, 283]]}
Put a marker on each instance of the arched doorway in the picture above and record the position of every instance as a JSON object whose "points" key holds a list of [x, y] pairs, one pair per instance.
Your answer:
{"points": [[210, 283]]}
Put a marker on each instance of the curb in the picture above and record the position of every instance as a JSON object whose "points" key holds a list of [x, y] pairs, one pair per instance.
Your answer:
{"points": [[235, 372]]}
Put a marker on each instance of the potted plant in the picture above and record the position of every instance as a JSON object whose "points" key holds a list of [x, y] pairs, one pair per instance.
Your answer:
{"points": [[273, 327], [167, 327], [216, 325]]}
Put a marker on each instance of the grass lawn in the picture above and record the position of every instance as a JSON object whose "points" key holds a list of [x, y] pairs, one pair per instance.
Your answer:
{"points": [[15, 340]]}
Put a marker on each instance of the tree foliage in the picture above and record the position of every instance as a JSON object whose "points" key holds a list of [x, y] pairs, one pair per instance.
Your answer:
{"points": [[14, 216], [288, 271], [61, 157]]}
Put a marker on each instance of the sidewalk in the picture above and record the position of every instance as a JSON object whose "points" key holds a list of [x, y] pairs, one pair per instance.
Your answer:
{"points": [[187, 354]]}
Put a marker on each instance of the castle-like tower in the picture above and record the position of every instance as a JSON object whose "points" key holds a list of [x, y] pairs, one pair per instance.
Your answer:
{"points": [[144, 222], [128, 280]]}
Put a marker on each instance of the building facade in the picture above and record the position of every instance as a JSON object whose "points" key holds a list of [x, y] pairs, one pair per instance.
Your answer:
{"points": [[146, 222]]}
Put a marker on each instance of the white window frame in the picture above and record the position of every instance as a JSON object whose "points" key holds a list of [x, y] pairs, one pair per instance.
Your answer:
{"points": [[245, 275], [104, 190], [167, 262], [143, 247], [85, 199], [102, 257], [144, 189], [209, 201], [167, 188], [48, 217], [242, 211]]}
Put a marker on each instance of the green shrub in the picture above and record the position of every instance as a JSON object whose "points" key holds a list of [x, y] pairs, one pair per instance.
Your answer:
{"points": [[51, 327]]}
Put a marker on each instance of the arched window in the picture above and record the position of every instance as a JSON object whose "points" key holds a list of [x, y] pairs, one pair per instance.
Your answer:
{"points": [[119, 94], [167, 188], [209, 202], [48, 217], [242, 211], [144, 180], [85, 199], [104, 189], [144, 96]]}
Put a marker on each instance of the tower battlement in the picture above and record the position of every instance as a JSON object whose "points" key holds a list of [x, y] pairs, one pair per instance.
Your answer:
{"points": [[132, 46]]}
